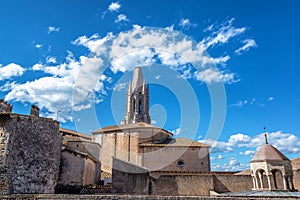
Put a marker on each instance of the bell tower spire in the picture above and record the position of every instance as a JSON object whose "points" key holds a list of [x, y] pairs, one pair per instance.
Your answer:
{"points": [[137, 99]]}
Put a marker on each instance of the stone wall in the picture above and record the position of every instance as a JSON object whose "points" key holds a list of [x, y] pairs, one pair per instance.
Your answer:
{"points": [[124, 144], [128, 178], [197, 184], [91, 172], [87, 147], [296, 173], [77, 170], [71, 169], [232, 183], [172, 185], [4, 135], [5, 180], [132, 197], [32, 154], [168, 158]]}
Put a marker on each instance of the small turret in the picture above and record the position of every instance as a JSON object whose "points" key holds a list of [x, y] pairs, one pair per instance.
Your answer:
{"points": [[35, 111], [5, 107]]}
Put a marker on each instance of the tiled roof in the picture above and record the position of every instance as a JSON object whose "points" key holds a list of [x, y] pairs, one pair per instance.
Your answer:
{"points": [[80, 153], [268, 152], [129, 126], [245, 172], [74, 133], [176, 142], [105, 174]]}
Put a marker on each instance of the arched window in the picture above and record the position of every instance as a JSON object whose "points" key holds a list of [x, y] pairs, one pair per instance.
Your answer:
{"points": [[278, 179]]}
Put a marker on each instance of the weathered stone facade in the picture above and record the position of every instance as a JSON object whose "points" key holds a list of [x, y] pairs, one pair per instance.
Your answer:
{"points": [[176, 155], [151, 147], [5, 181], [296, 172], [137, 179], [123, 142], [30, 152], [129, 178], [80, 165]]}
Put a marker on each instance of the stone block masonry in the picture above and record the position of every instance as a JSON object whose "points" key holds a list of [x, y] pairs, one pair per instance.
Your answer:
{"points": [[30, 151], [4, 181], [132, 197]]}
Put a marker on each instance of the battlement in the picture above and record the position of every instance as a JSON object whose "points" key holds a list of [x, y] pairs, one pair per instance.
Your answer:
{"points": [[5, 107], [35, 111]]}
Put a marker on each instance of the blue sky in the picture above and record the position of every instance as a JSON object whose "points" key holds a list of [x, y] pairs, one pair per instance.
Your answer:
{"points": [[202, 58]]}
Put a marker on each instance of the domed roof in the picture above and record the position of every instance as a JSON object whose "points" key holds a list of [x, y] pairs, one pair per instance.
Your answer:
{"points": [[268, 152]]}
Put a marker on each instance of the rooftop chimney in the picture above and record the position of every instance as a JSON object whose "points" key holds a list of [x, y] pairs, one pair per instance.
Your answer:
{"points": [[35, 111], [5, 107]]}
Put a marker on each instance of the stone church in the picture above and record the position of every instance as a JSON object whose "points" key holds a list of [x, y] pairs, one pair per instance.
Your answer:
{"points": [[138, 142]]}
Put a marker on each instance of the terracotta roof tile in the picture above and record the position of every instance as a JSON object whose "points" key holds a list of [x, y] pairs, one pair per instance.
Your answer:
{"points": [[176, 142], [74, 133], [268, 152], [128, 126]]}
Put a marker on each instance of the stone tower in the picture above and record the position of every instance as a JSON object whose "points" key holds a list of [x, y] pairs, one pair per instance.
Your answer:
{"points": [[137, 99]]}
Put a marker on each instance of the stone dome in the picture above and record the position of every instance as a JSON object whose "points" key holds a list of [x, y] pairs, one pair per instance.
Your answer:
{"points": [[268, 152]]}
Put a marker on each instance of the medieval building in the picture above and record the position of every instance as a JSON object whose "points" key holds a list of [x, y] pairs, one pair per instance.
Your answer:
{"points": [[138, 142], [37, 156]]}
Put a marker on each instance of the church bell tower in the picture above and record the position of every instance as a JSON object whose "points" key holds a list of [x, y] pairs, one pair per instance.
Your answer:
{"points": [[137, 99]]}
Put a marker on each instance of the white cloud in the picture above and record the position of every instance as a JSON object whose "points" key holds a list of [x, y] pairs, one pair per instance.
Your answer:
{"points": [[53, 29], [248, 153], [10, 70], [220, 157], [144, 46], [153, 121], [248, 43], [38, 46], [37, 66], [222, 35], [233, 166], [120, 86], [240, 103], [157, 77], [239, 139], [177, 131], [51, 59], [213, 158], [57, 92], [233, 162], [114, 6], [121, 18], [218, 147], [139, 46], [186, 24], [214, 75], [253, 101], [236, 140], [285, 142]]}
